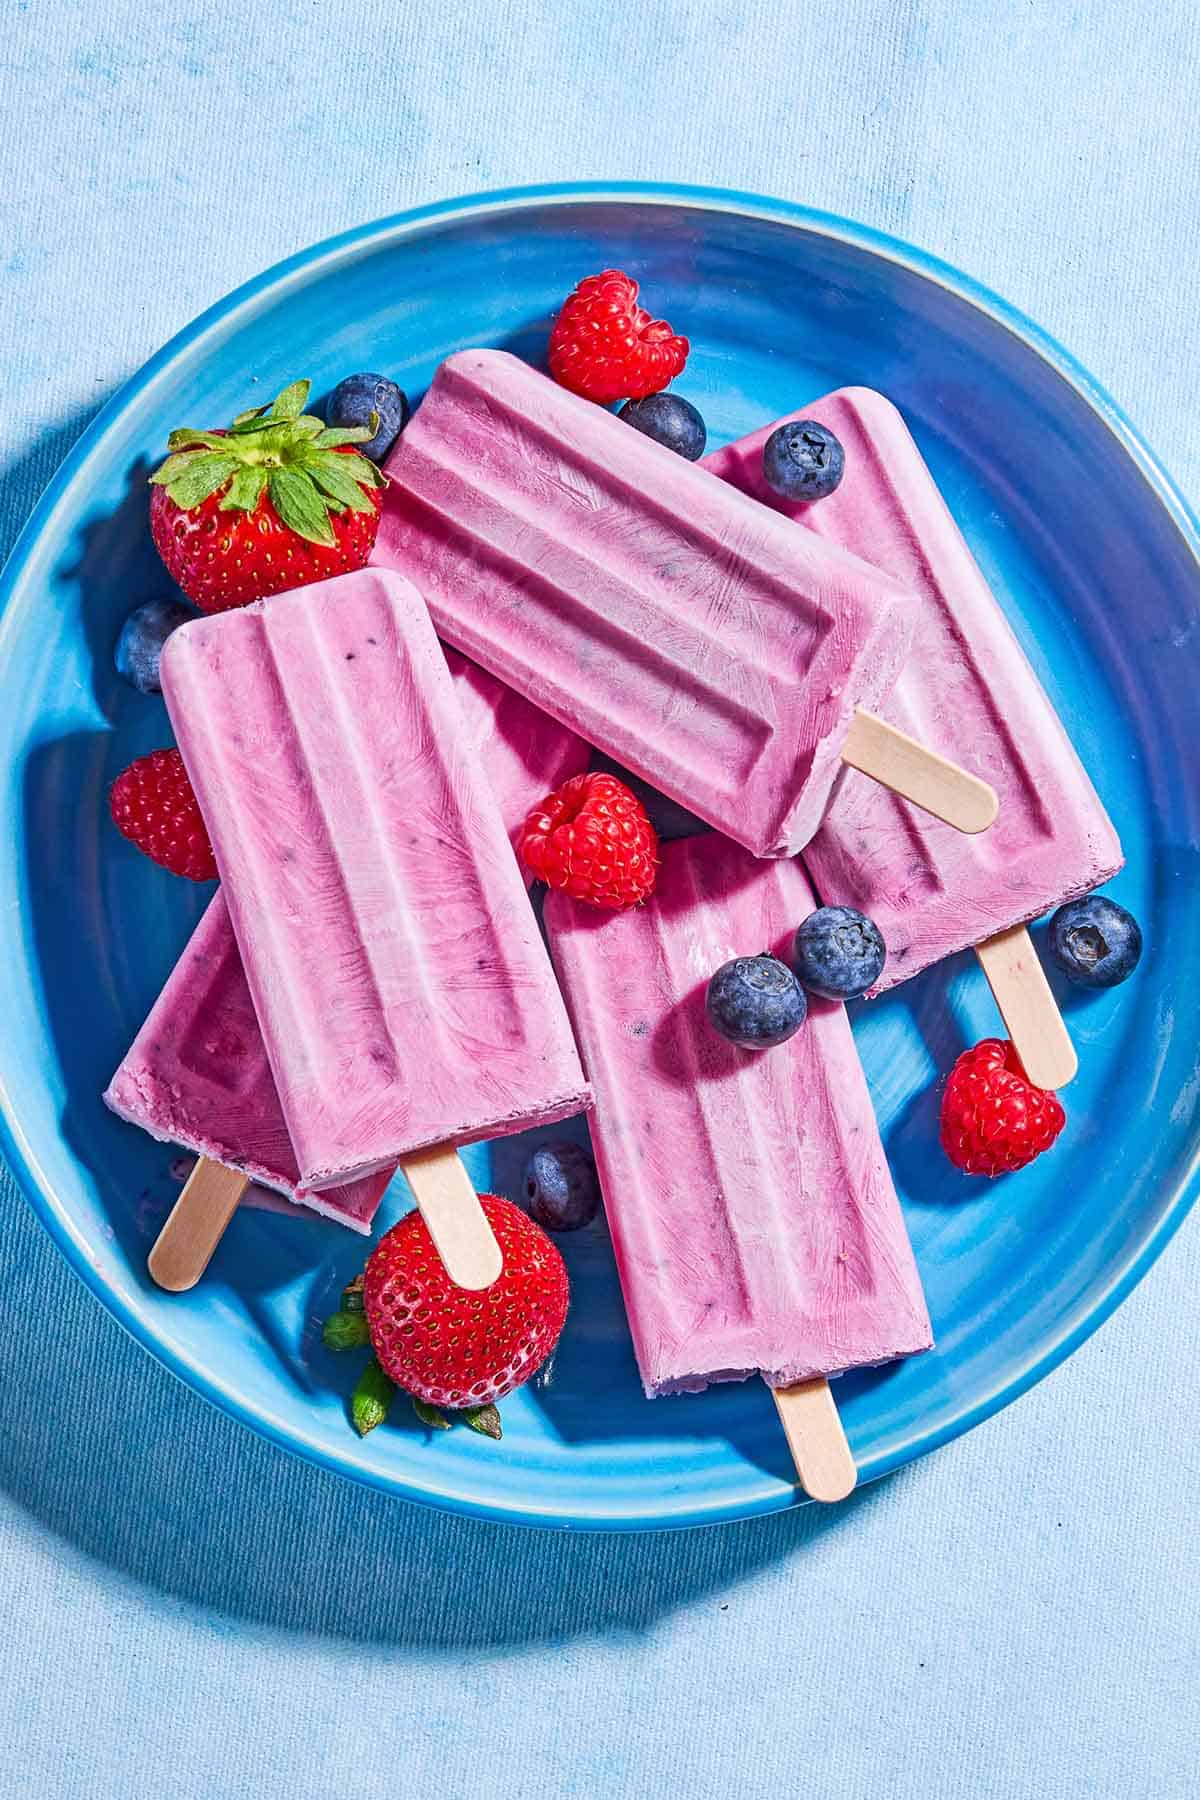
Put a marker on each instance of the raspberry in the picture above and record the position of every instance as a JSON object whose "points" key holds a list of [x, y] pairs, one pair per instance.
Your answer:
{"points": [[454, 1347], [152, 803], [605, 347], [993, 1119], [592, 838]]}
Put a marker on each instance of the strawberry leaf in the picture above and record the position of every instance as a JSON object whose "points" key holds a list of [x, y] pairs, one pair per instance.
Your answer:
{"points": [[300, 506], [245, 490], [337, 483], [167, 471], [249, 426], [371, 1398], [345, 1331], [429, 1415], [201, 473], [247, 418], [348, 434], [290, 404], [485, 1419], [307, 426], [363, 470], [178, 440], [268, 443]]}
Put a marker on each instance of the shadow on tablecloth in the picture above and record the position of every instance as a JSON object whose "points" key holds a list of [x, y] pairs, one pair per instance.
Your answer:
{"points": [[133, 1470]]}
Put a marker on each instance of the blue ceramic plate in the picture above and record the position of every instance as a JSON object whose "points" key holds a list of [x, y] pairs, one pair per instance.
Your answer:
{"points": [[1093, 557]]}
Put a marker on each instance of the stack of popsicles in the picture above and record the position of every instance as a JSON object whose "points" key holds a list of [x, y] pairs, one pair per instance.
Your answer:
{"points": [[369, 987]]}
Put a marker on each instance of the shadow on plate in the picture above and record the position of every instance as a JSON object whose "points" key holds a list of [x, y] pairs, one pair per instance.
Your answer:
{"points": [[115, 569], [97, 985], [531, 342], [591, 1392]]}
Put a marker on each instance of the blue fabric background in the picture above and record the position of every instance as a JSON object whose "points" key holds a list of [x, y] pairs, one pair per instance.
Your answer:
{"points": [[187, 1613]]}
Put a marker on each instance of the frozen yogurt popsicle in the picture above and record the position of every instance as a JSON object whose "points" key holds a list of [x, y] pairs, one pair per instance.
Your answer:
{"points": [[524, 753], [752, 1212], [197, 1073], [968, 687], [405, 1000], [667, 620]]}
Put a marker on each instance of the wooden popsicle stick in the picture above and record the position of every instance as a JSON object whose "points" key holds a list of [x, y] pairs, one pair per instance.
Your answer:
{"points": [[930, 781], [457, 1223], [1028, 1007], [184, 1246], [816, 1440]]}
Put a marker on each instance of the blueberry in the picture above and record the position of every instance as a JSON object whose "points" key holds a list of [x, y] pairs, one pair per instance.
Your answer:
{"points": [[840, 953], [142, 637], [561, 1187], [354, 400], [803, 461], [1095, 941], [669, 420], [755, 1001]]}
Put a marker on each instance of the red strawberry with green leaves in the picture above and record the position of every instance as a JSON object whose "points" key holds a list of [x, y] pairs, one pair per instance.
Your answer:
{"points": [[453, 1347], [276, 501]]}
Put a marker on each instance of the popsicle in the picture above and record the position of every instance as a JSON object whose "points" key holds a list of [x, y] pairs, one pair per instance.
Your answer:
{"points": [[752, 1212], [525, 753], [197, 1073], [403, 993], [968, 687], [665, 618]]}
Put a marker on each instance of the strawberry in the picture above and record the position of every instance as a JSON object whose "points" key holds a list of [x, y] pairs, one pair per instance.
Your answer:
{"points": [[275, 502], [606, 347], [152, 803], [593, 839], [451, 1347], [993, 1119]]}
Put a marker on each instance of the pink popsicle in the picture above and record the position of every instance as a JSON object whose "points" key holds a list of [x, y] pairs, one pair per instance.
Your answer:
{"points": [[403, 993], [197, 1073], [967, 687], [752, 1212], [669, 621], [524, 753]]}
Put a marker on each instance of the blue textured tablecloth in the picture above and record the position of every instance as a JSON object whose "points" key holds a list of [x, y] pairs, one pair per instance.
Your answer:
{"points": [[189, 1614]]}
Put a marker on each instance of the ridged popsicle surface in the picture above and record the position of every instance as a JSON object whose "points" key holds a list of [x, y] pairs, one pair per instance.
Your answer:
{"points": [[753, 1215], [403, 992], [197, 1073], [967, 690], [669, 621]]}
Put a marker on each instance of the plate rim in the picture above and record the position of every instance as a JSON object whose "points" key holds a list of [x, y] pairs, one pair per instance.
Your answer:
{"points": [[769, 1495]]}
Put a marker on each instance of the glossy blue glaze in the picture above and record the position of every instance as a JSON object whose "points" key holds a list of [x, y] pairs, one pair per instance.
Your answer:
{"points": [[1091, 553]]}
